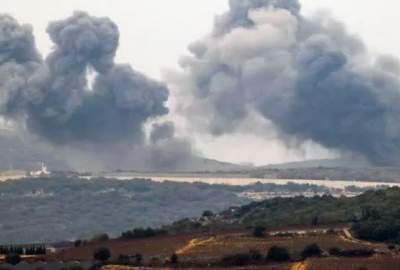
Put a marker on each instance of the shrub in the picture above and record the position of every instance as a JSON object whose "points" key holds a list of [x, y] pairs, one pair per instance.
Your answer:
{"points": [[357, 253], [391, 247], [138, 259], [123, 259], [255, 255], [102, 254], [278, 254], [207, 213], [335, 251], [312, 250], [258, 231], [13, 258], [240, 259], [174, 259], [100, 238], [154, 262], [78, 243], [141, 233]]}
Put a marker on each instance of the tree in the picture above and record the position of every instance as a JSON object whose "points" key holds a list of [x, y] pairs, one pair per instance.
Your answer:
{"points": [[278, 254], [335, 251], [100, 238], [312, 250], [207, 213], [315, 220], [258, 231], [174, 258], [102, 254], [13, 258], [255, 255], [138, 259]]}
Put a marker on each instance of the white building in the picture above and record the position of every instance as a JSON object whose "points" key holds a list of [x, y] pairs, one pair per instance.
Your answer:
{"points": [[42, 172]]}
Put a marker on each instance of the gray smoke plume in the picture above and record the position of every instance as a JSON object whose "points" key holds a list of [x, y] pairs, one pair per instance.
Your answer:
{"points": [[19, 59], [308, 76], [54, 97], [118, 104], [97, 124], [60, 106]]}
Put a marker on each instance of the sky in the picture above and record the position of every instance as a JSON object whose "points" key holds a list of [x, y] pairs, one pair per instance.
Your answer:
{"points": [[156, 33]]}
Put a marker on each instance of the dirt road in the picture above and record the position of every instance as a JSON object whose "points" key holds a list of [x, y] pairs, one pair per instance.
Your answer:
{"points": [[194, 243], [299, 266]]}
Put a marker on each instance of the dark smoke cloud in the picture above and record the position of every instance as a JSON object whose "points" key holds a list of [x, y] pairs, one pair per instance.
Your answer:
{"points": [[309, 77], [162, 131], [239, 11], [169, 151], [63, 108], [19, 59], [120, 101], [96, 125]]}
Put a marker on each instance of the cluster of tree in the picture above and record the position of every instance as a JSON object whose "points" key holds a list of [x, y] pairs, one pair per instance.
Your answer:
{"points": [[103, 254], [13, 258], [130, 204], [275, 254], [379, 224], [37, 249], [375, 215], [141, 233], [361, 252], [259, 231], [312, 250], [99, 238], [254, 257]]}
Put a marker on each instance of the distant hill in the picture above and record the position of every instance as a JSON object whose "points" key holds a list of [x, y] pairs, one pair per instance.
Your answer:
{"points": [[373, 215], [199, 164], [19, 153], [315, 163]]}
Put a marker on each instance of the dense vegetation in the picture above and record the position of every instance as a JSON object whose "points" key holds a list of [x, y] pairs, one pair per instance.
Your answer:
{"points": [[141, 233], [318, 210], [23, 250], [59, 208], [374, 215]]}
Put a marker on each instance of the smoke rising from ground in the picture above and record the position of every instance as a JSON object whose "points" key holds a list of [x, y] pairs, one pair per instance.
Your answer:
{"points": [[308, 76], [97, 124]]}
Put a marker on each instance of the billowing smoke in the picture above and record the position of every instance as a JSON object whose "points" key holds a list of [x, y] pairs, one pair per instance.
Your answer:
{"points": [[169, 151], [68, 110], [80, 101], [307, 76], [19, 59]]}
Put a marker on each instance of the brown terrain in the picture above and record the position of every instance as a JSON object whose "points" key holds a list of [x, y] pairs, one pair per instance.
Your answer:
{"points": [[201, 249]]}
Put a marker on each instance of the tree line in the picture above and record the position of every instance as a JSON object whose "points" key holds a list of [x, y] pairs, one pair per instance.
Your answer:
{"points": [[36, 249]]}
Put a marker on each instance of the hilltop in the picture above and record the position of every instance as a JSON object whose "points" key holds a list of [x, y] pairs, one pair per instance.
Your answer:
{"points": [[374, 215]]}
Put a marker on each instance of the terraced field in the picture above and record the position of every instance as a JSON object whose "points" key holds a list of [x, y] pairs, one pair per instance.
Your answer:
{"points": [[220, 245], [201, 249]]}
